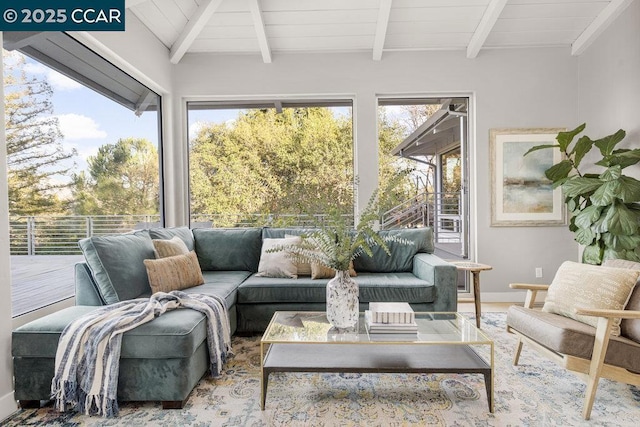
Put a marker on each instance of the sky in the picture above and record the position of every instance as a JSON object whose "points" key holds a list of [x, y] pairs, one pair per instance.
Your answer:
{"points": [[89, 120]]}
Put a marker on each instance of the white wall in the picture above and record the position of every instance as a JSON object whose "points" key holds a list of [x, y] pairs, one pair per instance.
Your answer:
{"points": [[511, 88], [609, 78]]}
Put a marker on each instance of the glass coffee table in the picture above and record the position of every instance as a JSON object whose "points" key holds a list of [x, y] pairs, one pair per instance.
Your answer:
{"points": [[305, 342]]}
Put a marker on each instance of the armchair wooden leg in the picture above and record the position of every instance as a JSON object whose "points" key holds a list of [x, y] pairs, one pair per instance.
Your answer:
{"points": [[516, 356], [597, 360]]}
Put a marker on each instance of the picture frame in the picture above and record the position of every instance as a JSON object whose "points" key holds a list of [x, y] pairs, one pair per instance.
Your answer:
{"points": [[521, 195]]}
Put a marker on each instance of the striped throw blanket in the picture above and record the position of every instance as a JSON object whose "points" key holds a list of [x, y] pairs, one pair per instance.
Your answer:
{"points": [[88, 354]]}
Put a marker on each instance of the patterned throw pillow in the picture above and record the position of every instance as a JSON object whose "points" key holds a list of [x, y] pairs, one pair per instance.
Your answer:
{"points": [[278, 264], [174, 272], [172, 247], [590, 286]]}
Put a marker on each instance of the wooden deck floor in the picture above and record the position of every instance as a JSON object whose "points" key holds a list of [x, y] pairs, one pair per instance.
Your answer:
{"points": [[40, 280]]}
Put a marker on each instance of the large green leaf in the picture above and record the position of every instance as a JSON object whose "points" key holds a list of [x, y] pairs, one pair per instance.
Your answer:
{"points": [[588, 216], [610, 253], [582, 147], [629, 189], [609, 142], [585, 236], [606, 194], [565, 138], [613, 172], [620, 220], [592, 254], [580, 186], [621, 242], [541, 147], [624, 158], [559, 171]]}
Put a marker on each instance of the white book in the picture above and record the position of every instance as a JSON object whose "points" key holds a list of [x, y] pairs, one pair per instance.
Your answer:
{"points": [[391, 312], [388, 328]]}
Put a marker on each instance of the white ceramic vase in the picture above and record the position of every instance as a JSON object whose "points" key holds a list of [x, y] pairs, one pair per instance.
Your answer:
{"points": [[342, 301]]}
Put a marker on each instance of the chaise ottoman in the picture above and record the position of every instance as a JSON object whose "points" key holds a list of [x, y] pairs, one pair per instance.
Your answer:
{"points": [[161, 360]]}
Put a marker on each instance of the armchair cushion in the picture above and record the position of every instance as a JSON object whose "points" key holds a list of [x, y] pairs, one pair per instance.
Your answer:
{"points": [[568, 336], [589, 286]]}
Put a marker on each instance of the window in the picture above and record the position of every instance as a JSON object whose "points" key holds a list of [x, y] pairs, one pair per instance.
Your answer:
{"points": [[83, 150], [277, 163], [428, 138]]}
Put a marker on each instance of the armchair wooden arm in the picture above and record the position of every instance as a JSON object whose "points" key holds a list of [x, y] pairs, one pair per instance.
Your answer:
{"points": [[600, 312], [532, 291]]}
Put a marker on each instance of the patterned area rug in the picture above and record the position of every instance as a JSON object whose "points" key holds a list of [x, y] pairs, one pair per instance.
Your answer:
{"points": [[536, 393]]}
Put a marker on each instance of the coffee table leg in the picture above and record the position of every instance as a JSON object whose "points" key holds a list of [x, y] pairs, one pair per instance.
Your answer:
{"points": [[476, 296], [487, 385], [263, 380]]}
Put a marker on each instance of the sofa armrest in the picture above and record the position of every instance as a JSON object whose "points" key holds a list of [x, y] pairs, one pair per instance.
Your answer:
{"points": [[86, 287], [532, 291], [443, 275]]}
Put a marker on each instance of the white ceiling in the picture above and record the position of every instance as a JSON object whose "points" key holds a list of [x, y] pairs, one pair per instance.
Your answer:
{"points": [[270, 27]]}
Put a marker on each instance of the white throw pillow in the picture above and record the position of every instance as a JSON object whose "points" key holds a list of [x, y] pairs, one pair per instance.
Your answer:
{"points": [[280, 263], [590, 286]]}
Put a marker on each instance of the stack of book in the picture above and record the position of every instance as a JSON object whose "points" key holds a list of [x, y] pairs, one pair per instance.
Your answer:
{"points": [[390, 318]]}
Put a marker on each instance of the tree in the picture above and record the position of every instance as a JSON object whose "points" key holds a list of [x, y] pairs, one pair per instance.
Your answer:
{"points": [[35, 155], [294, 162], [122, 179]]}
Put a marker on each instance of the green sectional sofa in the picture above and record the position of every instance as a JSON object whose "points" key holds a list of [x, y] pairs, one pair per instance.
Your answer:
{"points": [[164, 359]]}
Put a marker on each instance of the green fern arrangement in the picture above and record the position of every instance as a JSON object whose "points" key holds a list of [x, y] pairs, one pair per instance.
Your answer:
{"points": [[335, 243]]}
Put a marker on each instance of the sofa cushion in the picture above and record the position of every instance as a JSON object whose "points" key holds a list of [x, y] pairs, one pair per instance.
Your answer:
{"points": [[589, 286], [373, 287], [279, 263], [174, 272], [175, 334], [401, 258], [629, 328], [172, 247], [117, 264], [184, 233], [228, 249], [320, 271], [568, 336], [221, 283]]}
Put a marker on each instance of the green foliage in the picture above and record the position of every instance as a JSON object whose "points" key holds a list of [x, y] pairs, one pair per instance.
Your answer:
{"points": [[335, 243], [35, 156], [122, 179], [605, 207]]}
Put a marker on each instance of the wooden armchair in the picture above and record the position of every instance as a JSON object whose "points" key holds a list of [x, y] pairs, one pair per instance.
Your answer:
{"points": [[590, 352]]}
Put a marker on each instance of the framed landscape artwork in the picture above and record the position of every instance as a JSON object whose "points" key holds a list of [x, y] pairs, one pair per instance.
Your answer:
{"points": [[521, 195]]}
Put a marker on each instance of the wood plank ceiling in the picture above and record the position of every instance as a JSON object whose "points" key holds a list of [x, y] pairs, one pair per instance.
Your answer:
{"points": [[270, 27]]}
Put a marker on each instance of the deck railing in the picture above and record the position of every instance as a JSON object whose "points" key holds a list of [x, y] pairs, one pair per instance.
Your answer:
{"points": [[59, 235]]}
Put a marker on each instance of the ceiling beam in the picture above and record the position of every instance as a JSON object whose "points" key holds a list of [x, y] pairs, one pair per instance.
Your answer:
{"points": [[131, 3], [381, 28], [192, 29], [491, 15], [598, 25], [258, 23]]}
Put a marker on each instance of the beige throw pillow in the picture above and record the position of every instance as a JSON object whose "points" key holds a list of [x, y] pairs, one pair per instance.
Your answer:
{"points": [[589, 286], [319, 271], [629, 328], [172, 247], [278, 264], [304, 268], [174, 272]]}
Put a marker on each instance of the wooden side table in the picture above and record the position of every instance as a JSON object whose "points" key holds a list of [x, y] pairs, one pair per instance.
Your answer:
{"points": [[475, 269]]}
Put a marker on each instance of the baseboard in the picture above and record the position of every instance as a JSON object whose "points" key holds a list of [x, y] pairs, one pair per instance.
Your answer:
{"points": [[514, 297], [8, 405]]}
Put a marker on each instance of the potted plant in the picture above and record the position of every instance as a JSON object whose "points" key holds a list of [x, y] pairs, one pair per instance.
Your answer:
{"points": [[335, 243], [604, 207]]}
